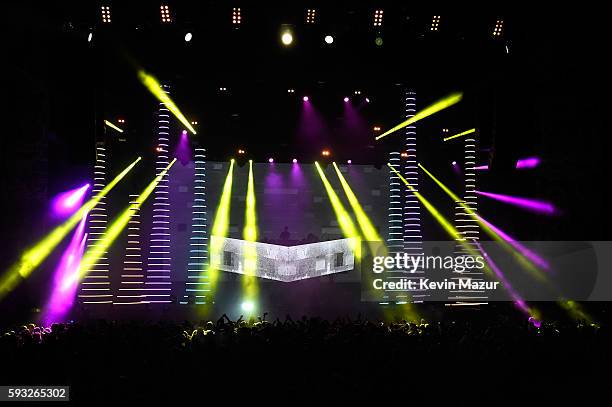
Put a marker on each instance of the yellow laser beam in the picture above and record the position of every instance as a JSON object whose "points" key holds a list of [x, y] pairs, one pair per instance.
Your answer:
{"points": [[470, 131], [112, 126], [220, 226], [368, 230], [93, 255], [249, 281], [155, 88], [344, 218], [36, 254], [428, 111]]}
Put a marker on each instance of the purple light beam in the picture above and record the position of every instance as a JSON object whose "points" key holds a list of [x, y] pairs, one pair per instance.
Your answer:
{"points": [[68, 202], [525, 203]]}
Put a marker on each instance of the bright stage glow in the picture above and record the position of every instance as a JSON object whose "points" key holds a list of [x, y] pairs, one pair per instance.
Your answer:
{"points": [[67, 202], [305, 98], [529, 204], [35, 255], [349, 161], [525, 163], [89, 37], [155, 88], [188, 37], [470, 131], [367, 228], [441, 104], [221, 224], [112, 126], [93, 255], [295, 160], [247, 306], [270, 160], [329, 39], [287, 38], [249, 281], [346, 99], [454, 162], [344, 218]]}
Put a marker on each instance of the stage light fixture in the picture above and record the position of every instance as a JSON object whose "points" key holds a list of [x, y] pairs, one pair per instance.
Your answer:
{"points": [[404, 154], [121, 121], [346, 99], [106, 14], [287, 38], [378, 18], [188, 37], [95, 253], [329, 39], [378, 41], [525, 163], [349, 161], [454, 162], [367, 100], [464, 133], [165, 13], [155, 88], [376, 128], [325, 153], [499, 26], [295, 161], [36, 254], [220, 226], [270, 160], [305, 99], [367, 228], [236, 17], [344, 218], [89, 37], [435, 23], [241, 151], [311, 16], [442, 104]]}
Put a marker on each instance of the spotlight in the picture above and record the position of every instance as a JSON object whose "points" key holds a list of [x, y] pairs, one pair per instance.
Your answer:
{"points": [[290, 90], [247, 306], [311, 15], [90, 37], [287, 38], [325, 153], [329, 39], [378, 17], [367, 100], [305, 98], [241, 151], [122, 121], [188, 37], [499, 26], [454, 162], [378, 41], [295, 160], [236, 17], [270, 160], [435, 23], [165, 13], [404, 154], [357, 92], [346, 99], [349, 161], [376, 128], [106, 15]]}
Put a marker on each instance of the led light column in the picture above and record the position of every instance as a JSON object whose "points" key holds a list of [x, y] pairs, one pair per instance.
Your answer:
{"points": [[158, 286], [96, 288], [132, 277]]}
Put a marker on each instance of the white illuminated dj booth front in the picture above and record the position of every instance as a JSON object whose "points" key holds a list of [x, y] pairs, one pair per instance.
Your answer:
{"points": [[285, 263]]}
